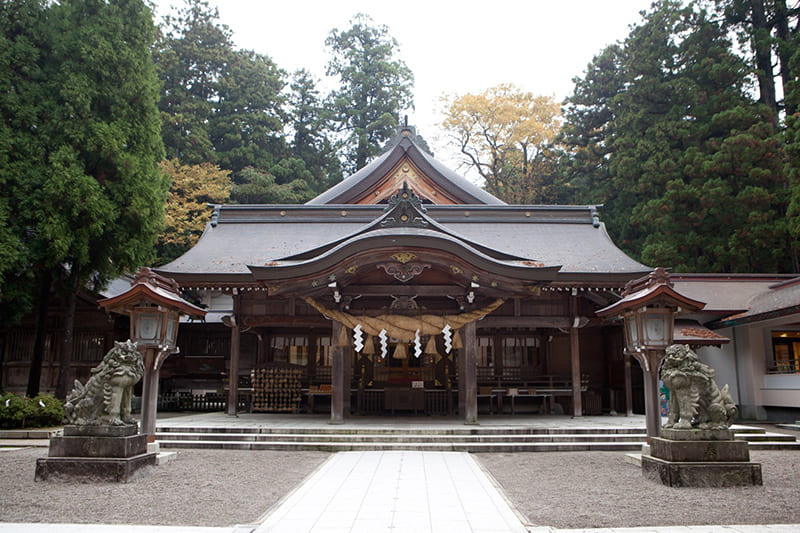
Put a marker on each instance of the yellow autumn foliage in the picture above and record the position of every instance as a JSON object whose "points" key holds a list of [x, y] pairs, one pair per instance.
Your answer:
{"points": [[501, 130], [186, 211]]}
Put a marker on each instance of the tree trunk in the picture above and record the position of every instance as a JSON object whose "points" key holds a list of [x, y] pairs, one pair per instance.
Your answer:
{"points": [[762, 47], [65, 363], [785, 49], [42, 303]]}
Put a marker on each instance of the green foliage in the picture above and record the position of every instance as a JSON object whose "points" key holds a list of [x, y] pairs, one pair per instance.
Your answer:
{"points": [[44, 410], [310, 121], [228, 107], [374, 87], [254, 187], [80, 145], [21, 152], [663, 132]]}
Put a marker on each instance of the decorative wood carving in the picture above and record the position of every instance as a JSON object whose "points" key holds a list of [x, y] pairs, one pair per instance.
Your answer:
{"points": [[404, 303], [403, 257], [404, 271], [405, 209]]}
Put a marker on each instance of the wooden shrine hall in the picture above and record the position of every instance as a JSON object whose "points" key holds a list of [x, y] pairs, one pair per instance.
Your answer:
{"points": [[405, 288]]}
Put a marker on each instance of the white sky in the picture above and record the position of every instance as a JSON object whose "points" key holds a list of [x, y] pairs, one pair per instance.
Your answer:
{"points": [[452, 47]]}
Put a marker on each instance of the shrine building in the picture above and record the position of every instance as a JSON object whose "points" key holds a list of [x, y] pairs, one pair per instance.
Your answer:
{"points": [[406, 288]]}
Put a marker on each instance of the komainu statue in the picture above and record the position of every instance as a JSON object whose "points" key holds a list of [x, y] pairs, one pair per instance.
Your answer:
{"points": [[106, 397], [695, 401]]}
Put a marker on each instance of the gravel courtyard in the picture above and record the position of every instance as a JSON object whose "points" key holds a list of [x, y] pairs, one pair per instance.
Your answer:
{"points": [[561, 489]]}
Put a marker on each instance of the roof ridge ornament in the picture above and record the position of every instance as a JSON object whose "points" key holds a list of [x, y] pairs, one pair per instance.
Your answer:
{"points": [[406, 207]]}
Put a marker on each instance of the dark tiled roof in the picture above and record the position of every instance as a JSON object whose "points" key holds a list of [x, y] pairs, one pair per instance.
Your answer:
{"points": [[782, 299], [691, 332], [567, 236]]}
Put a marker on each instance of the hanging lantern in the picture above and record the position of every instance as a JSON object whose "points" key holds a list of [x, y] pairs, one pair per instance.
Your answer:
{"points": [[400, 351]]}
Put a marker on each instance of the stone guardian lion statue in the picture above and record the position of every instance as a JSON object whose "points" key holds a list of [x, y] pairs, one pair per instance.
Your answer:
{"points": [[695, 401], [106, 397]]}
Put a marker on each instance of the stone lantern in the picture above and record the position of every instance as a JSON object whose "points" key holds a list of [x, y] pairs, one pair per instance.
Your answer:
{"points": [[648, 308], [155, 305]]}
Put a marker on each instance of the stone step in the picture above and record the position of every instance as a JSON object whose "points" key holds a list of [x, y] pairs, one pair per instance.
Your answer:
{"points": [[395, 438], [477, 439], [765, 436], [482, 430], [474, 447]]}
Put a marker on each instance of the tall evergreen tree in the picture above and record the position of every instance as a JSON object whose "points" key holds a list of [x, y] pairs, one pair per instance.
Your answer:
{"points": [[687, 165], [312, 142], [374, 87], [91, 200]]}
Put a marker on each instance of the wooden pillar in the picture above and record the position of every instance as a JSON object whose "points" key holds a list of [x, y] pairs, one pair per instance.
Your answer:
{"points": [[337, 375], [461, 382], [628, 385], [469, 375], [497, 356], [347, 362], [233, 371], [261, 349], [311, 365], [575, 356]]}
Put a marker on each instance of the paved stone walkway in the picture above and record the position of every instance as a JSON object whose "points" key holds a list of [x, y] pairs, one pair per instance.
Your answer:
{"points": [[397, 491]]}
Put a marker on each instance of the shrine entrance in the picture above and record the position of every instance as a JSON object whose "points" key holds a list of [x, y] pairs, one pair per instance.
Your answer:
{"points": [[404, 295], [405, 288]]}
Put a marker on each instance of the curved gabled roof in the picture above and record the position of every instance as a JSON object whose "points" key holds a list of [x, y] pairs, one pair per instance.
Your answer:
{"points": [[405, 145], [404, 238], [243, 236]]}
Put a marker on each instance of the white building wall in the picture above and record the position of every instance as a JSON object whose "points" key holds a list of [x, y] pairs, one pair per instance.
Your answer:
{"points": [[723, 360]]}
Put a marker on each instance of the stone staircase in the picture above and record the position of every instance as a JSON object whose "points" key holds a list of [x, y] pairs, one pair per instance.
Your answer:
{"points": [[478, 439]]}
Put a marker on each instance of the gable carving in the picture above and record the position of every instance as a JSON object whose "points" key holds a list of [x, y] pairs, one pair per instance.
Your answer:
{"points": [[406, 172]]}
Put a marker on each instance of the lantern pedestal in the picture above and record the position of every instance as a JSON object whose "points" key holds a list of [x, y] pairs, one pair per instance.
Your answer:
{"points": [[700, 458], [150, 394], [95, 453]]}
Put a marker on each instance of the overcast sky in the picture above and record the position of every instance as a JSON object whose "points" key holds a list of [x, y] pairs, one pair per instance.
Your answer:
{"points": [[450, 46]]}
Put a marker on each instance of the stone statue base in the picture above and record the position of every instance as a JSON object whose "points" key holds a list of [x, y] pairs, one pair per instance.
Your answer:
{"points": [[700, 458], [95, 453]]}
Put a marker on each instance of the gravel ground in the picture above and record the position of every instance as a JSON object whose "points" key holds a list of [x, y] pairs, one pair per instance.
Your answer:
{"points": [[198, 488], [557, 489], [600, 489]]}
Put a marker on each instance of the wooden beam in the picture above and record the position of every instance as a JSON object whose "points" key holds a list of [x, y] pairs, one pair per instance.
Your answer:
{"points": [[403, 290], [525, 322], [286, 321]]}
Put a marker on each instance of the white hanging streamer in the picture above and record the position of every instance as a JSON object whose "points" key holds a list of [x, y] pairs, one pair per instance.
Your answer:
{"points": [[358, 338], [384, 343], [448, 338], [417, 345]]}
